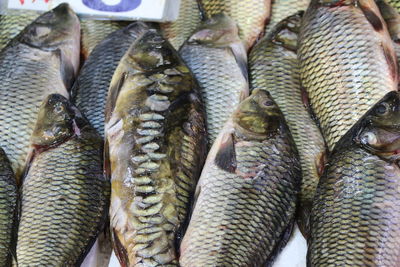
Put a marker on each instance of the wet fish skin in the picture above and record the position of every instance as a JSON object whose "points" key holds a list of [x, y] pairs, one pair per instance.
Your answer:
{"points": [[218, 60], [94, 31], [189, 18], [90, 89], [65, 194], [355, 220], [11, 25], [250, 16], [156, 141], [281, 9], [395, 4], [41, 60], [344, 81], [8, 210], [274, 67], [247, 193]]}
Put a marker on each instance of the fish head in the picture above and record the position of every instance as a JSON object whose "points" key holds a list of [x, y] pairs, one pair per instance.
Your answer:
{"points": [[55, 121], [258, 116], [218, 31], [56, 30], [380, 130]]}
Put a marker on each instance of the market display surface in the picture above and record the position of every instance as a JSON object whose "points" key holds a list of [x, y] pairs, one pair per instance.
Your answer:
{"points": [[243, 134]]}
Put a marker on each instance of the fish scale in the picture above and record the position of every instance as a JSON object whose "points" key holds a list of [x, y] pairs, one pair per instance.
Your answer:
{"points": [[274, 67], [156, 142], [343, 72], [280, 9], [91, 87], [8, 206], [241, 214], [63, 198], [222, 88], [250, 16]]}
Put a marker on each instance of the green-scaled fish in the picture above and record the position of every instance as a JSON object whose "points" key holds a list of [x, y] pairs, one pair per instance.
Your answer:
{"points": [[280, 9], [247, 193], [355, 218], [395, 4], [218, 60], [94, 31], [11, 25], [42, 59], [274, 67], [156, 141], [178, 31], [250, 16], [65, 195], [91, 87], [347, 62], [8, 210]]}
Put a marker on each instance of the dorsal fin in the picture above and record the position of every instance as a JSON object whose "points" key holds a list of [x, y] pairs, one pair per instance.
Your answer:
{"points": [[226, 155]]}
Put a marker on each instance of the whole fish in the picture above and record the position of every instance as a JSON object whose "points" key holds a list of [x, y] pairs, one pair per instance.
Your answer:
{"points": [[8, 208], [11, 25], [65, 196], [280, 9], [218, 60], [94, 31], [42, 59], [156, 141], [247, 193], [347, 62], [178, 31], [274, 67], [250, 16], [355, 218], [91, 87]]}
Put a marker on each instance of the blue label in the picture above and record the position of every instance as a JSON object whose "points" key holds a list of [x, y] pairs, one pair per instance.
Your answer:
{"points": [[123, 6]]}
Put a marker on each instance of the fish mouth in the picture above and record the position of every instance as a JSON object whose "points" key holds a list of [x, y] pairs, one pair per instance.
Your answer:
{"points": [[382, 142]]}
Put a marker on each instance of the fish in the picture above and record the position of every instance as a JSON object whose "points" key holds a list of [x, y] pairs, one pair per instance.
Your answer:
{"points": [[355, 220], [8, 210], [156, 144], [246, 197], [11, 25], [250, 16], [189, 18], [218, 60], [42, 59], [94, 31], [273, 66], [347, 62], [392, 19], [65, 194], [89, 92], [281, 9], [395, 4]]}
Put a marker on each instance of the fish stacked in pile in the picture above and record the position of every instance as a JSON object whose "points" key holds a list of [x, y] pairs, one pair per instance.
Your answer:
{"points": [[204, 141]]}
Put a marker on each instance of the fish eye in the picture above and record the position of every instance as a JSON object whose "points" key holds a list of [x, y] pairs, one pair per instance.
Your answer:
{"points": [[382, 109], [267, 103]]}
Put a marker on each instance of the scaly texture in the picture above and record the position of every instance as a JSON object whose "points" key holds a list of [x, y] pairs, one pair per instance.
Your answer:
{"points": [[91, 87], [247, 193], [274, 67], [178, 31], [94, 31], [220, 70], [65, 195], [250, 16], [355, 220], [28, 74], [11, 25], [280, 9], [155, 131], [395, 4], [8, 205], [347, 63]]}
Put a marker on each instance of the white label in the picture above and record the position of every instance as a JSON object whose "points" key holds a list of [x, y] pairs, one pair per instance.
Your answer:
{"points": [[154, 10]]}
